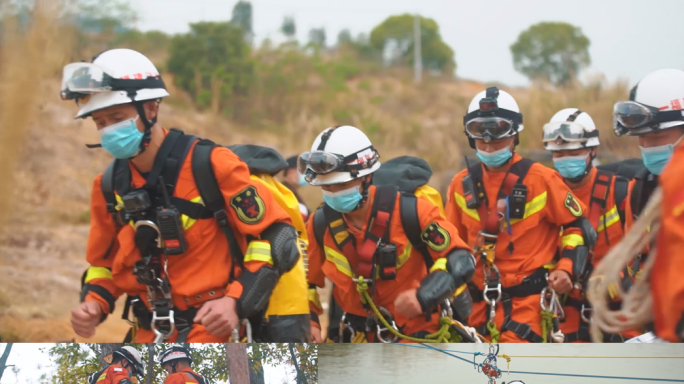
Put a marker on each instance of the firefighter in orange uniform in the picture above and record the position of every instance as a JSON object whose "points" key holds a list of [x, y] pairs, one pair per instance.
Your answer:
{"points": [[158, 232], [177, 362], [364, 240], [511, 211], [126, 363], [573, 139], [655, 114]]}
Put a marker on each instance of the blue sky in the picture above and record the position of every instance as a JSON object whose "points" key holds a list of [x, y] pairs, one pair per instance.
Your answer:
{"points": [[629, 38]]}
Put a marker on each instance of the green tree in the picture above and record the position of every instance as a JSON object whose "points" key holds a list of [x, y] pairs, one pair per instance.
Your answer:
{"points": [[213, 63], [344, 37], [317, 37], [242, 17], [289, 27], [435, 52], [556, 52]]}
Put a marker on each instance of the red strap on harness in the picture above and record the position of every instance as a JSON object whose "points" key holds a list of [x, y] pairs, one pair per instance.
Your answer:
{"points": [[378, 227], [490, 219], [599, 196]]}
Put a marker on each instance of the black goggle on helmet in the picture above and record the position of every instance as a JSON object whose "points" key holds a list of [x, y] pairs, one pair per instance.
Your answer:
{"points": [[490, 122]]}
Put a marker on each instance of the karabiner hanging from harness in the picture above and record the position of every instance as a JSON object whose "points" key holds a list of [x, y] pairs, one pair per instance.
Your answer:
{"points": [[552, 313]]}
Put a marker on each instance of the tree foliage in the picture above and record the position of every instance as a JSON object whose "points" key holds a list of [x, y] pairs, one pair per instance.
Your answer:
{"points": [[242, 16], [317, 37], [289, 27], [556, 52], [344, 37], [212, 62], [399, 30]]}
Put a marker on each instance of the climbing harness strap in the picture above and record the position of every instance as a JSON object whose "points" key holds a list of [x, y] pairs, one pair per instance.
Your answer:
{"points": [[531, 285], [598, 201]]}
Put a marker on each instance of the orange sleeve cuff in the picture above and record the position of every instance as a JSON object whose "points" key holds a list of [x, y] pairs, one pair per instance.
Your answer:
{"points": [[91, 296], [315, 325], [565, 264], [235, 290]]}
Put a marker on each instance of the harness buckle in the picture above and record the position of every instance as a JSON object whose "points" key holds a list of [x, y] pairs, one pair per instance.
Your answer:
{"points": [[161, 336]]}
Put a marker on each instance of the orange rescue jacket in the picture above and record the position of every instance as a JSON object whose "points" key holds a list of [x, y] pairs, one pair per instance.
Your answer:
{"points": [[326, 260]]}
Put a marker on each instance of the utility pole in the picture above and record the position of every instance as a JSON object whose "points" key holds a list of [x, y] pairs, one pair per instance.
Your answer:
{"points": [[417, 56]]}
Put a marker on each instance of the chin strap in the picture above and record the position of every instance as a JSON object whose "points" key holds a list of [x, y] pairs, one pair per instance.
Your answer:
{"points": [[364, 195]]}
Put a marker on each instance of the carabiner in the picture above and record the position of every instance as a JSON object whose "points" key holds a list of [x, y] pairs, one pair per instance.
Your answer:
{"points": [[344, 326], [162, 336]]}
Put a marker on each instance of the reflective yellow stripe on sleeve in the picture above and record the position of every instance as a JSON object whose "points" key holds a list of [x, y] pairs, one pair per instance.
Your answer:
{"points": [[259, 251], [97, 273], [572, 241], [460, 201], [341, 262], [102, 377], [403, 258], [439, 264], [611, 217]]}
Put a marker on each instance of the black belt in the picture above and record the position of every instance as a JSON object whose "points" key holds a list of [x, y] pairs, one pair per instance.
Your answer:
{"points": [[183, 320], [531, 285]]}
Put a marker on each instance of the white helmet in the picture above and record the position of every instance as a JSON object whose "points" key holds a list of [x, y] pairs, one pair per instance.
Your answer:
{"points": [[656, 102], [338, 155], [570, 129], [492, 114], [132, 356], [174, 352], [114, 77]]}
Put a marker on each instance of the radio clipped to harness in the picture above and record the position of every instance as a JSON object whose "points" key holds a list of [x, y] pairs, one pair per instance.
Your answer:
{"points": [[170, 227], [387, 261], [517, 202], [470, 192]]}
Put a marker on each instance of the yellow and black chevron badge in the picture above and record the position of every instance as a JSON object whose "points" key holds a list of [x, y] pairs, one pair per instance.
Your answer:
{"points": [[572, 205], [436, 237], [248, 205]]}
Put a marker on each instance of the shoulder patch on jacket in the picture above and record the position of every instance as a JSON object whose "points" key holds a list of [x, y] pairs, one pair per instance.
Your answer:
{"points": [[248, 205], [436, 237], [572, 205]]}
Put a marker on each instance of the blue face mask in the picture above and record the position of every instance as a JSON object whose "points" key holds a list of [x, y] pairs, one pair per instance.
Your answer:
{"points": [[656, 158], [302, 181], [496, 158], [343, 201], [122, 140], [571, 167]]}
